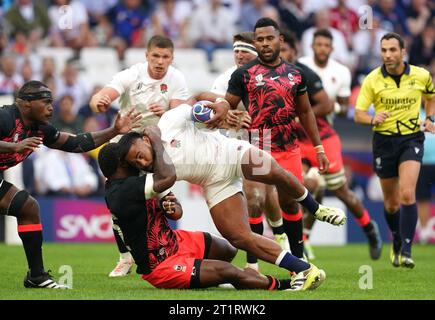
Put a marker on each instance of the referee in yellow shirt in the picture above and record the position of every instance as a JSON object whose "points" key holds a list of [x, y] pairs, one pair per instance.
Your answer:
{"points": [[395, 89]]}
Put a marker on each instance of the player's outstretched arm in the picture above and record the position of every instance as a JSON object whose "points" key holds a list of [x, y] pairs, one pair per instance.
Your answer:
{"points": [[102, 100], [88, 141]]}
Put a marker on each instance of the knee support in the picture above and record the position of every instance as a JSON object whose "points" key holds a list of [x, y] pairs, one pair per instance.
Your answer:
{"points": [[335, 180], [17, 203]]}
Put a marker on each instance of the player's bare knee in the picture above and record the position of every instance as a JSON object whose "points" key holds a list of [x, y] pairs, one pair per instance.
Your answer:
{"points": [[256, 202], [407, 196], [392, 207], [288, 205]]}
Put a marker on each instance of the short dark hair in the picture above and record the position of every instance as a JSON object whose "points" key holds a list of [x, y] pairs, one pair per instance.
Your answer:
{"points": [[160, 42], [246, 36], [266, 22], [323, 33], [126, 142], [393, 35], [108, 159], [289, 38]]}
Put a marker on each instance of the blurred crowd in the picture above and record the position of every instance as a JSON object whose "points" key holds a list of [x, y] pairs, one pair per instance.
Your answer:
{"points": [[27, 25]]}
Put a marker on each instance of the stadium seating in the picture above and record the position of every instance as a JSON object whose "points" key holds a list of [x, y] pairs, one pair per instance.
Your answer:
{"points": [[60, 55], [100, 64], [223, 59]]}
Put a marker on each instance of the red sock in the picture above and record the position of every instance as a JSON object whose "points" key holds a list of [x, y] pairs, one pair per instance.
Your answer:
{"points": [[364, 219]]}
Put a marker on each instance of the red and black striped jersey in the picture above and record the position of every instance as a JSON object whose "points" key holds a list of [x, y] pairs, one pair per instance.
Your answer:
{"points": [[270, 94], [12, 129]]}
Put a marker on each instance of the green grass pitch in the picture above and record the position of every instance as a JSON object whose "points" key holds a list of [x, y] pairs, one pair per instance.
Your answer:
{"points": [[91, 264]]}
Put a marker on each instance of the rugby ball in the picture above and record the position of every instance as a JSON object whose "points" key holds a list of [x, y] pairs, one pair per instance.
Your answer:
{"points": [[201, 113]]}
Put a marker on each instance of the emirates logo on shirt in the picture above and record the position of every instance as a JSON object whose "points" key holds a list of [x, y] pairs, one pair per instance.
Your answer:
{"points": [[163, 88]]}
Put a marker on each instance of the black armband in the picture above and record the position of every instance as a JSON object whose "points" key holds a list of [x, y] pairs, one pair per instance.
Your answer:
{"points": [[80, 143]]}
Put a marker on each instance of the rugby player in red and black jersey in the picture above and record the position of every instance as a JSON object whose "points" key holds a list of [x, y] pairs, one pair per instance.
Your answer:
{"points": [[24, 126], [275, 94], [166, 258], [335, 178]]}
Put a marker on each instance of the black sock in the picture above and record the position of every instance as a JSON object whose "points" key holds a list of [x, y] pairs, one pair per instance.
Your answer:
{"points": [[119, 241], [368, 228], [278, 284], [32, 243], [293, 229], [309, 203], [393, 221], [278, 230], [277, 226], [257, 228], [408, 223]]}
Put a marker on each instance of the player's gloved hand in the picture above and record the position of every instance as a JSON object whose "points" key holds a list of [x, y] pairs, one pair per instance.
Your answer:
{"points": [[168, 203], [125, 123], [31, 143], [157, 109], [171, 206]]}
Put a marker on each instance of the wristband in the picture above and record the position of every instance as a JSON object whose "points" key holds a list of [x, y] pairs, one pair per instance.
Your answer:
{"points": [[224, 101], [319, 149], [431, 118], [371, 121]]}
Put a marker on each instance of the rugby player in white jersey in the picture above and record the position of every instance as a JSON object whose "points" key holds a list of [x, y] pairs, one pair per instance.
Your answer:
{"points": [[151, 87]]}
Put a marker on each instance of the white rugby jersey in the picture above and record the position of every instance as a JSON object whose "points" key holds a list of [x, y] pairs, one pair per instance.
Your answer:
{"points": [[336, 77], [138, 89], [220, 85], [196, 153]]}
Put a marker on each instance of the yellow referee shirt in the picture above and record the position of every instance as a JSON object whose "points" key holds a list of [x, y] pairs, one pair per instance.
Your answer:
{"points": [[401, 99]]}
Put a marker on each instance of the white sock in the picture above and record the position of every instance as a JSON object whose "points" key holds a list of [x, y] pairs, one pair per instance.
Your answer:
{"points": [[126, 256], [280, 257], [303, 196]]}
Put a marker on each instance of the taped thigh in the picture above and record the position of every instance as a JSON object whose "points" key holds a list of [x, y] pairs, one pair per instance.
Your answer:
{"points": [[336, 180]]}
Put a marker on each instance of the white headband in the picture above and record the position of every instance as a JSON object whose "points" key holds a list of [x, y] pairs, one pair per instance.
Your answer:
{"points": [[243, 46]]}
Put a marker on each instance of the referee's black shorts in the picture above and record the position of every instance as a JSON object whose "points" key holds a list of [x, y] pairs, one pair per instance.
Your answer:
{"points": [[390, 151]]}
